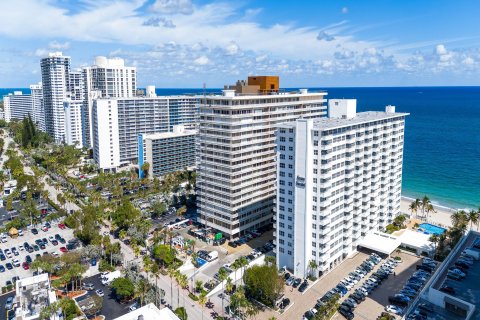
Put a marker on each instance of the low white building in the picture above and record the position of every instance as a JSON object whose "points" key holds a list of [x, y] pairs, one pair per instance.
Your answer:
{"points": [[338, 179], [32, 295], [149, 312]]}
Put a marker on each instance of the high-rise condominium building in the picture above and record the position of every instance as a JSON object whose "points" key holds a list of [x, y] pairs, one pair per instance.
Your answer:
{"points": [[338, 178], [38, 113], [117, 144], [236, 150], [73, 122], [55, 81], [167, 152], [106, 78], [17, 106]]}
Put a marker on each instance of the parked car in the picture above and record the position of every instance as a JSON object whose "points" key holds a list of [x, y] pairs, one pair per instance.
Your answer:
{"points": [[447, 289], [394, 309]]}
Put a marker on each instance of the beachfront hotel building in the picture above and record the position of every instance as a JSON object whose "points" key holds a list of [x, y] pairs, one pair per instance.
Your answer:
{"points": [[236, 150], [338, 178], [55, 81], [106, 78], [17, 106], [116, 144], [167, 152]]}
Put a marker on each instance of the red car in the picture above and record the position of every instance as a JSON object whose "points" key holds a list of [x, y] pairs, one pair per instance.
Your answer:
{"points": [[63, 249], [44, 228], [25, 266], [61, 226]]}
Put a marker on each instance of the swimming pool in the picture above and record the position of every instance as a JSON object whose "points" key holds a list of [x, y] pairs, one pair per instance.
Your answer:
{"points": [[201, 262], [431, 229]]}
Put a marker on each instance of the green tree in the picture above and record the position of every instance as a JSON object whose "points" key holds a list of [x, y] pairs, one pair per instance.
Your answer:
{"points": [[181, 211], [312, 265], [164, 253], [145, 168], [473, 218], [158, 208], [181, 313], [123, 288], [125, 214], [202, 300], [263, 284], [222, 276]]}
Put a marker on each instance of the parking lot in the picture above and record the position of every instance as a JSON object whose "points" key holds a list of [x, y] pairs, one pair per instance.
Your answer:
{"points": [[369, 309], [29, 237], [111, 309]]}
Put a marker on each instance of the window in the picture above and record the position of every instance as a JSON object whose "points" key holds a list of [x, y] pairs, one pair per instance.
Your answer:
{"points": [[289, 252]]}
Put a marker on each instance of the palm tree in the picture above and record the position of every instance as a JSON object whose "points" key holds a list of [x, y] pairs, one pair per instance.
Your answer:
{"points": [[183, 282], [424, 203], [198, 285], [312, 265], [194, 262], [222, 276], [429, 208], [155, 270], [171, 273], [434, 239], [202, 300], [473, 218], [243, 262], [414, 206], [269, 260], [229, 285], [458, 218], [235, 266], [141, 289]]}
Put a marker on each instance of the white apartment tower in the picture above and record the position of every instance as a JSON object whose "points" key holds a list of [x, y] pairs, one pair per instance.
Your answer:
{"points": [[73, 122], [117, 144], [17, 106], [236, 151], [338, 178], [38, 113], [106, 78], [55, 81]]}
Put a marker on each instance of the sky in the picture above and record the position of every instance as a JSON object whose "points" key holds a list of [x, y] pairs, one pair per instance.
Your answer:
{"points": [[186, 43]]}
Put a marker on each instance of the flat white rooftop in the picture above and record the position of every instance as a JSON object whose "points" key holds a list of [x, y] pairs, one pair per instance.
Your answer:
{"points": [[165, 135], [149, 312], [380, 242], [361, 117]]}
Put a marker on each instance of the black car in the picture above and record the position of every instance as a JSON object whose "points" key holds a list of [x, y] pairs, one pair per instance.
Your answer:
{"points": [[62, 240], [346, 313], [36, 247], [70, 247], [303, 286], [286, 276], [2, 257], [397, 300], [29, 249], [45, 241], [48, 225], [425, 307], [57, 236], [2, 268], [54, 242], [285, 302], [28, 259], [34, 231], [9, 266], [232, 244], [297, 282]]}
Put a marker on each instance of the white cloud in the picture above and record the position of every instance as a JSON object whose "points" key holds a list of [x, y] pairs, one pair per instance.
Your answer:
{"points": [[468, 61], [159, 21], [41, 52], [322, 35], [203, 60], [172, 6], [55, 45], [232, 48], [441, 50]]}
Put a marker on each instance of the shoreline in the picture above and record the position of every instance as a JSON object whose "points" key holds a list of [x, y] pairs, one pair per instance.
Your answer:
{"points": [[441, 216]]}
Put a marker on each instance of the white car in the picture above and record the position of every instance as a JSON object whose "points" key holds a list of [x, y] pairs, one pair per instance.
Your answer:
{"points": [[21, 248], [16, 263], [54, 253], [347, 284], [394, 309]]}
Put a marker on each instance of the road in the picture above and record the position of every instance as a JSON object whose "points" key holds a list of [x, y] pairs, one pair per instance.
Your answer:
{"points": [[176, 297], [52, 192]]}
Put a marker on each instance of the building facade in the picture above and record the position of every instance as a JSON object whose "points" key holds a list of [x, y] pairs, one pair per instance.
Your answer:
{"points": [[338, 178], [17, 106], [38, 112], [167, 152], [73, 122], [236, 152], [55, 81], [135, 116], [106, 78]]}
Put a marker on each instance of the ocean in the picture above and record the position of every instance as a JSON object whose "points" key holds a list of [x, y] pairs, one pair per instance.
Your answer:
{"points": [[442, 137]]}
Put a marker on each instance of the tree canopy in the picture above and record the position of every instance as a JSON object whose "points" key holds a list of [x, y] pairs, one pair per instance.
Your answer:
{"points": [[263, 283]]}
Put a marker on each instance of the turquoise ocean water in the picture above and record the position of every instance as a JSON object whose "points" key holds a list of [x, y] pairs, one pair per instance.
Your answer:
{"points": [[442, 137]]}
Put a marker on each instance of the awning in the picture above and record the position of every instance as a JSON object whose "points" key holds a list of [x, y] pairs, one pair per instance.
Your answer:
{"points": [[381, 242]]}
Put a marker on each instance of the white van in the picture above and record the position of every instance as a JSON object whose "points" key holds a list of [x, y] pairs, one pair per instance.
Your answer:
{"points": [[212, 256]]}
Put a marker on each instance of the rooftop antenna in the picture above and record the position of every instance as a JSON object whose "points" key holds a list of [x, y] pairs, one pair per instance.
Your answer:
{"points": [[204, 89]]}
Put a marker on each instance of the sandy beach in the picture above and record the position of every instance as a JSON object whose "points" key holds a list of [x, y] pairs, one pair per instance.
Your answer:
{"points": [[441, 216]]}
